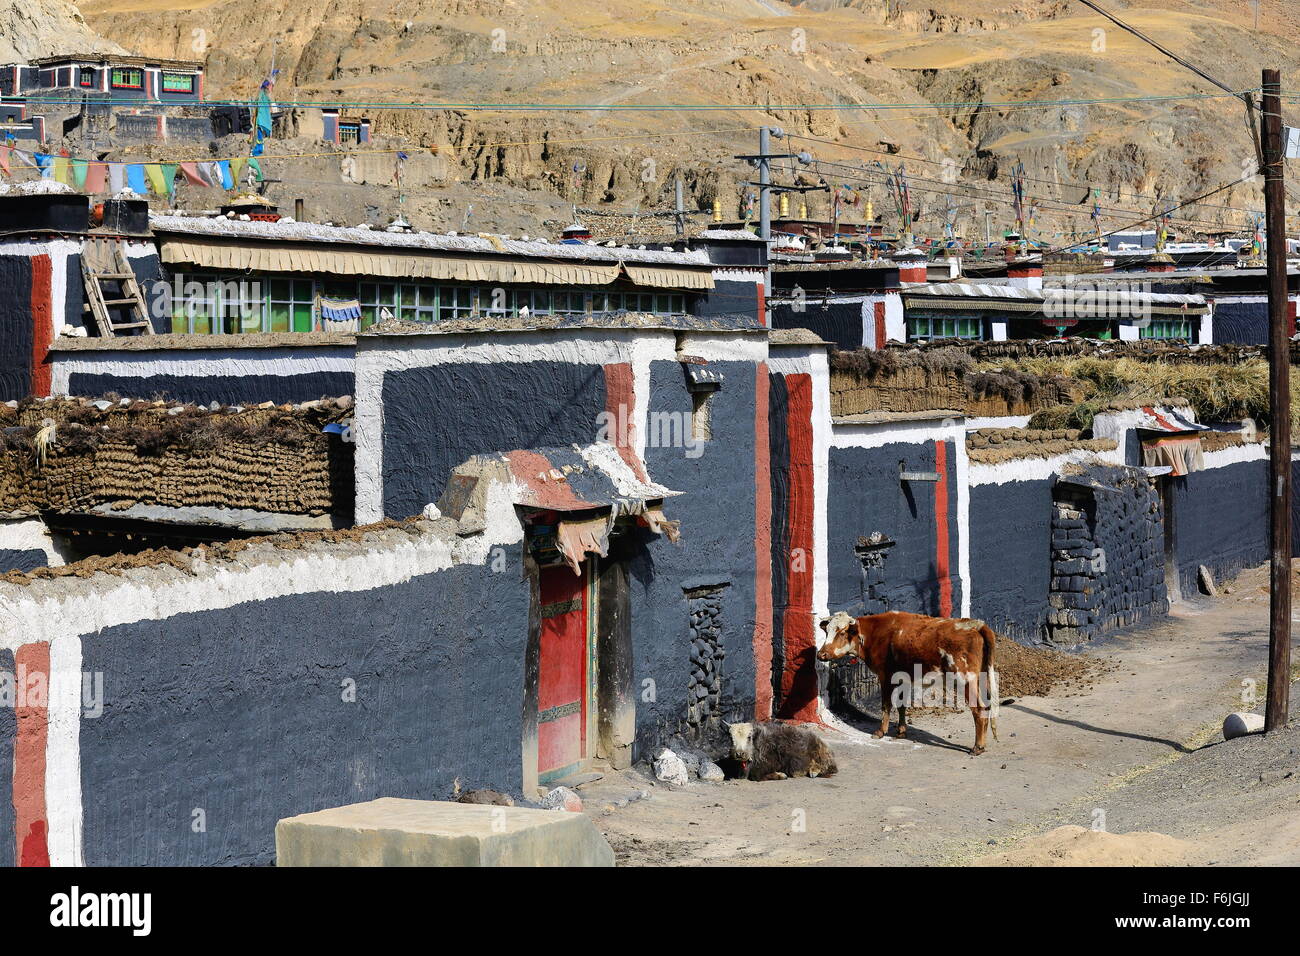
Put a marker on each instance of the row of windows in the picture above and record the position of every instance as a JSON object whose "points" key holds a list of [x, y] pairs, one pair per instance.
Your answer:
{"points": [[1168, 329], [926, 327], [125, 78], [210, 303], [922, 328]]}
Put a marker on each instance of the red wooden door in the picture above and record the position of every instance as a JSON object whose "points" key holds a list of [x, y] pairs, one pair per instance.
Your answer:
{"points": [[562, 674]]}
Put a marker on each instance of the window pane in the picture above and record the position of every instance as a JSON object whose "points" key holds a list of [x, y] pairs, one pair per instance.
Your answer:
{"points": [[302, 318], [279, 317]]}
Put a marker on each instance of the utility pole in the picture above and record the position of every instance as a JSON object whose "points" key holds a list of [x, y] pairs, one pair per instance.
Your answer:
{"points": [[680, 207], [763, 160], [1279, 394]]}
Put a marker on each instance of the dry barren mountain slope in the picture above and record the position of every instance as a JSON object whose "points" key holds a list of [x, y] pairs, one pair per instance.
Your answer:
{"points": [[33, 28], [763, 59]]}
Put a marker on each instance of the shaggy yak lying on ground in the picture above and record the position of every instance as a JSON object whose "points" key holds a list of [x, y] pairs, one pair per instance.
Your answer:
{"points": [[903, 649], [778, 751]]}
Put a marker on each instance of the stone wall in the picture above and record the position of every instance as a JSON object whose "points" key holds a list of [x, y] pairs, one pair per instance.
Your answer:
{"points": [[1107, 554]]}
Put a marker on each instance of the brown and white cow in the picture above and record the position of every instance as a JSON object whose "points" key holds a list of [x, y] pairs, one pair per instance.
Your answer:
{"points": [[902, 648]]}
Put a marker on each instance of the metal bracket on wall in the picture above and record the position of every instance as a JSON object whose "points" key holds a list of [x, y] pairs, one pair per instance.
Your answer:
{"points": [[905, 475]]}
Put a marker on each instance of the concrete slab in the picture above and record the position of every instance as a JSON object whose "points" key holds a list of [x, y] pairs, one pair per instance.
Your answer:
{"points": [[396, 832]]}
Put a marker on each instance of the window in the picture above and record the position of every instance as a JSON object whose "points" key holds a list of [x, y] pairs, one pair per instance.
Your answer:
{"points": [[457, 302], [920, 328], [1167, 329], [178, 82], [349, 132], [374, 298], [86, 77], [292, 305], [242, 305], [128, 78], [196, 304]]}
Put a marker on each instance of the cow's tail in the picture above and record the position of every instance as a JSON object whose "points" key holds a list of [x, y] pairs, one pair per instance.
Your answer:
{"points": [[991, 678]]}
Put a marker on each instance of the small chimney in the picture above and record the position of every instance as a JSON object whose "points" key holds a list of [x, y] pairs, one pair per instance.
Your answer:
{"points": [[912, 265], [1025, 272], [298, 209]]}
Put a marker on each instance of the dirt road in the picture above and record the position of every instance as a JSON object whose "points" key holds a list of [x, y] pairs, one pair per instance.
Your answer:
{"points": [[1138, 751]]}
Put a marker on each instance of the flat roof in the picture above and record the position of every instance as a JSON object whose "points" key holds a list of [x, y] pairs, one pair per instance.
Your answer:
{"points": [[608, 321], [317, 233], [196, 65]]}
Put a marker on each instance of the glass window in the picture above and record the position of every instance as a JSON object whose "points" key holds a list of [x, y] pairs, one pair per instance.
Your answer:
{"points": [[455, 302], [194, 303], [128, 78], [374, 297], [292, 305], [178, 82], [1167, 329], [541, 301], [920, 328]]}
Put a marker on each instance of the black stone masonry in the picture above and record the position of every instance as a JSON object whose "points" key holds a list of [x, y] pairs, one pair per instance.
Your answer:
{"points": [[1107, 555]]}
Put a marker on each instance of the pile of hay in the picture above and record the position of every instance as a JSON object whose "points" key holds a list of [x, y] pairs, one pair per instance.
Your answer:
{"points": [[1216, 393]]}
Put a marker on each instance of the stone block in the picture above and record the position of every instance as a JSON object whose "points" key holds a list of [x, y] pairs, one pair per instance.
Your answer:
{"points": [[398, 832]]}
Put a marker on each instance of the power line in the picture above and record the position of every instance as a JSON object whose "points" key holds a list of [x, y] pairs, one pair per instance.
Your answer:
{"points": [[656, 107], [1032, 179], [1243, 95]]}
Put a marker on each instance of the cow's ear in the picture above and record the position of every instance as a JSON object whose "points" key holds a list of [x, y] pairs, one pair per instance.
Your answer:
{"points": [[853, 628], [824, 622]]}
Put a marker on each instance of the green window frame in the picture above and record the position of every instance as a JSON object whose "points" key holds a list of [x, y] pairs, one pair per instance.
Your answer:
{"points": [[127, 78], [921, 328], [456, 302], [1167, 329], [292, 305], [178, 82]]}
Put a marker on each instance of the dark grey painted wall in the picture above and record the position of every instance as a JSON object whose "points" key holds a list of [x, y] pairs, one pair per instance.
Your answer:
{"points": [[25, 559], [1010, 557], [226, 389], [1241, 323], [435, 418], [8, 729], [1221, 521], [838, 322], [732, 299], [716, 512], [239, 712], [15, 327], [865, 495]]}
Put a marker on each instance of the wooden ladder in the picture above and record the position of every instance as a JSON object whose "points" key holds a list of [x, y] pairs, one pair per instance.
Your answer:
{"points": [[102, 262]]}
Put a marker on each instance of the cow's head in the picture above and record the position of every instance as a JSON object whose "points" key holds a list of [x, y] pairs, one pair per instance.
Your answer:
{"points": [[742, 742], [841, 637]]}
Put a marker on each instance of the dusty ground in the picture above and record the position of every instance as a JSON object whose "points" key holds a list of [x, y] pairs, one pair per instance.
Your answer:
{"points": [[1138, 753]]}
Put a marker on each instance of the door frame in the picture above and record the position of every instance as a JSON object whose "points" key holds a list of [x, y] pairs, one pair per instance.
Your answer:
{"points": [[532, 669]]}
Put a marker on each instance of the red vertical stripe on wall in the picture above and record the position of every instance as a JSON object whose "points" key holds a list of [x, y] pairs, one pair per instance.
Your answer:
{"points": [[799, 679], [880, 325], [941, 529], [32, 670], [762, 550], [620, 404], [762, 305], [42, 324]]}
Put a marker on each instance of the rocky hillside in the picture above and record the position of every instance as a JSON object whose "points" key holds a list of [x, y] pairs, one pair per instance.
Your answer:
{"points": [[766, 60], [33, 28]]}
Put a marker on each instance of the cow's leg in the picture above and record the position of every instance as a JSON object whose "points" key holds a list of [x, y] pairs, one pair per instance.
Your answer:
{"points": [[981, 716], [884, 706], [902, 720]]}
